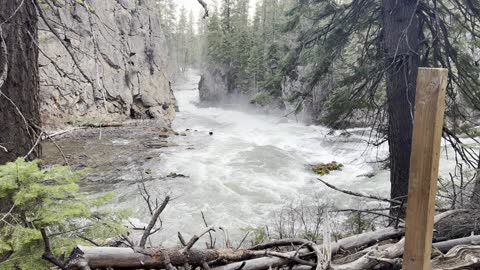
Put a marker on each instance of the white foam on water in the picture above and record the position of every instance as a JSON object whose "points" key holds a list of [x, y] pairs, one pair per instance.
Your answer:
{"points": [[250, 167]]}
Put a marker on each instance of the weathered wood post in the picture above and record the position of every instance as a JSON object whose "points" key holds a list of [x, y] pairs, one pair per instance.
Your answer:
{"points": [[427, 133]]}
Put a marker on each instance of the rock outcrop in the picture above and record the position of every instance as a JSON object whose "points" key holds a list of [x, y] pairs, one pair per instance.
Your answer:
{"points": [[213, 85], [119, 47], [298, 97]]}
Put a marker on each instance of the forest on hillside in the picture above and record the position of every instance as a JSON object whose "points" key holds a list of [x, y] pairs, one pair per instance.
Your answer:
{"points": [[239, 134]]}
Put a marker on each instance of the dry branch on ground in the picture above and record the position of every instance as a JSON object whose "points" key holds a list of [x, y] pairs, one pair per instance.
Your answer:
{"points": [[293, 253]]}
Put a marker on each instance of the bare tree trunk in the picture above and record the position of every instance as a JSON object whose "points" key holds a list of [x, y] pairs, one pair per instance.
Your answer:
{"points": [[19, 96], [401, 40]]}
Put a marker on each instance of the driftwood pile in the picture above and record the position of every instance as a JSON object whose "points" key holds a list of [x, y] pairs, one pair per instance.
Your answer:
{"points": [[381, 249]]}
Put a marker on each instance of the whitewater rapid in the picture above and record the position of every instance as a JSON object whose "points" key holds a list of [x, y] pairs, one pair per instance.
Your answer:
{"points": [[249, 167], [243, 167]]}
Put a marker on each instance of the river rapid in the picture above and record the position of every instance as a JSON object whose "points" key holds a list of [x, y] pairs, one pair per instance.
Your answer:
{"points": [[244, 167], [250, 167]]}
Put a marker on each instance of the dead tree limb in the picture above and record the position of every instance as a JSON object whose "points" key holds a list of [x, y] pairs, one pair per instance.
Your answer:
{"points": [[358, 194], [371, 259], [148, 230], [127, 258], [212, 242], [194, 239], [279, 243], [349, 243], [205, 7], [445, 246], [47, 253], [460, 257]]}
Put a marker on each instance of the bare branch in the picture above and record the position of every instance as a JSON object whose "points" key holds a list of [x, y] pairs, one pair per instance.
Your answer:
{"points": [[205, 7], [357, 194], [150, 226], [47, 254], [195, 239]]}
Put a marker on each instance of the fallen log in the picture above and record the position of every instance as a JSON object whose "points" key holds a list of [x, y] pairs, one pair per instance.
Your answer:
{"points": [[352, 242], [128, 258], [445, 246], [367, 261], [86, 258], [459, 257]]}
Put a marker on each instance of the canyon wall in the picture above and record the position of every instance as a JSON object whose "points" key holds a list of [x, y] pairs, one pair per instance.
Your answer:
{"points": [[115, 66]]}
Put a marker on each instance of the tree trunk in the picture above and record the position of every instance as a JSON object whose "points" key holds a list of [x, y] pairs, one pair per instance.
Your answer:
{"points": [[401, 40], [19, 97], [475, 200], [19, 85]]}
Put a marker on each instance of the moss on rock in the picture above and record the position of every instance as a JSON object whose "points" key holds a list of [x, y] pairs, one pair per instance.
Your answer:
{"points": [[326, 168]]}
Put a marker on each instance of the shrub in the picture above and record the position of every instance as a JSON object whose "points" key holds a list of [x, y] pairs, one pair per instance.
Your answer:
{"points": [[261, 99], [34, 198]]}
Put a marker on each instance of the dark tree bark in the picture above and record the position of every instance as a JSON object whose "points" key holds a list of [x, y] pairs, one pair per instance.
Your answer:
{"points": [[19, 97], [19, 85], [401, 40], [476, 189]]}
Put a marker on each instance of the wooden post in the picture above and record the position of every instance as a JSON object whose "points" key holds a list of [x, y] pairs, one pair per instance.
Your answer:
{"points": [[427, 134]]}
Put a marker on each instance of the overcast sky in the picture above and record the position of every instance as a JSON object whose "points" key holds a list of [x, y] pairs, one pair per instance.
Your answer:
{"points": [[197, 8]]}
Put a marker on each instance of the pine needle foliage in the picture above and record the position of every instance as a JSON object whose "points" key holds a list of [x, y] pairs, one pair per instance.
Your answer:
{"points": [[35, 198]]}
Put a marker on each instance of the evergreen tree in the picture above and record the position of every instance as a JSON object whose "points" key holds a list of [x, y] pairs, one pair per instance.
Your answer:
{"points": [[215, 37], [181, 39], [372, 50], [49, 199], [191, 41], [167, 11]]}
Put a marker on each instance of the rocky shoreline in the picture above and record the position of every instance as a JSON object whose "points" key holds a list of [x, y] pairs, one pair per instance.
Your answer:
{"points": [[116, 155]]}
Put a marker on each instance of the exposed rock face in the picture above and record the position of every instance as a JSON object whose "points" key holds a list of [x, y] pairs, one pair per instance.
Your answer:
{"points": [[120, 47], [297, 97], [213, 85], [294, 87]]}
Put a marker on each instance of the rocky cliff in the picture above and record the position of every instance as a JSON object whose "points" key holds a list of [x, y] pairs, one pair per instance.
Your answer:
{"points": [[296, 96], [213, 85], [307, 102], [115, 66]]}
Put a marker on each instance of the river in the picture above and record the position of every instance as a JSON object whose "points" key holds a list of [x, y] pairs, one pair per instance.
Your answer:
{"points": [[251, 166], [242, 167]]}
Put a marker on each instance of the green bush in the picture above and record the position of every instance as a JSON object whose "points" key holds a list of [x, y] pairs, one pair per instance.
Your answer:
{"points": [[257, 235], [32, 198], [262, 99]]}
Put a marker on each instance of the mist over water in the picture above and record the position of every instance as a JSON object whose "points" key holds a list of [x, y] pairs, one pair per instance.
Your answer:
{"points": [[250, 167]]}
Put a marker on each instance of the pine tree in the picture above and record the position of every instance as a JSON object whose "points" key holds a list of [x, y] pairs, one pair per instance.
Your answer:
{"points": [[181, 39], [215, 36], [191, 41], [49, 199], [167, 10], [372, 50]]}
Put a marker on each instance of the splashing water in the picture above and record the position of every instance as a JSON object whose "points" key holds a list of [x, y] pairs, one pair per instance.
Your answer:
{"points": [[249, 167]]}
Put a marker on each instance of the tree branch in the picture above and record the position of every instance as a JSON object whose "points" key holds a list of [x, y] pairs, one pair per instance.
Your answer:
{"points": [[150, 226], [47, 254], [357, 194]]}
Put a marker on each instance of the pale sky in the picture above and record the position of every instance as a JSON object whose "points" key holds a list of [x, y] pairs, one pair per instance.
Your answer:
{"points": [[197, 8]]}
